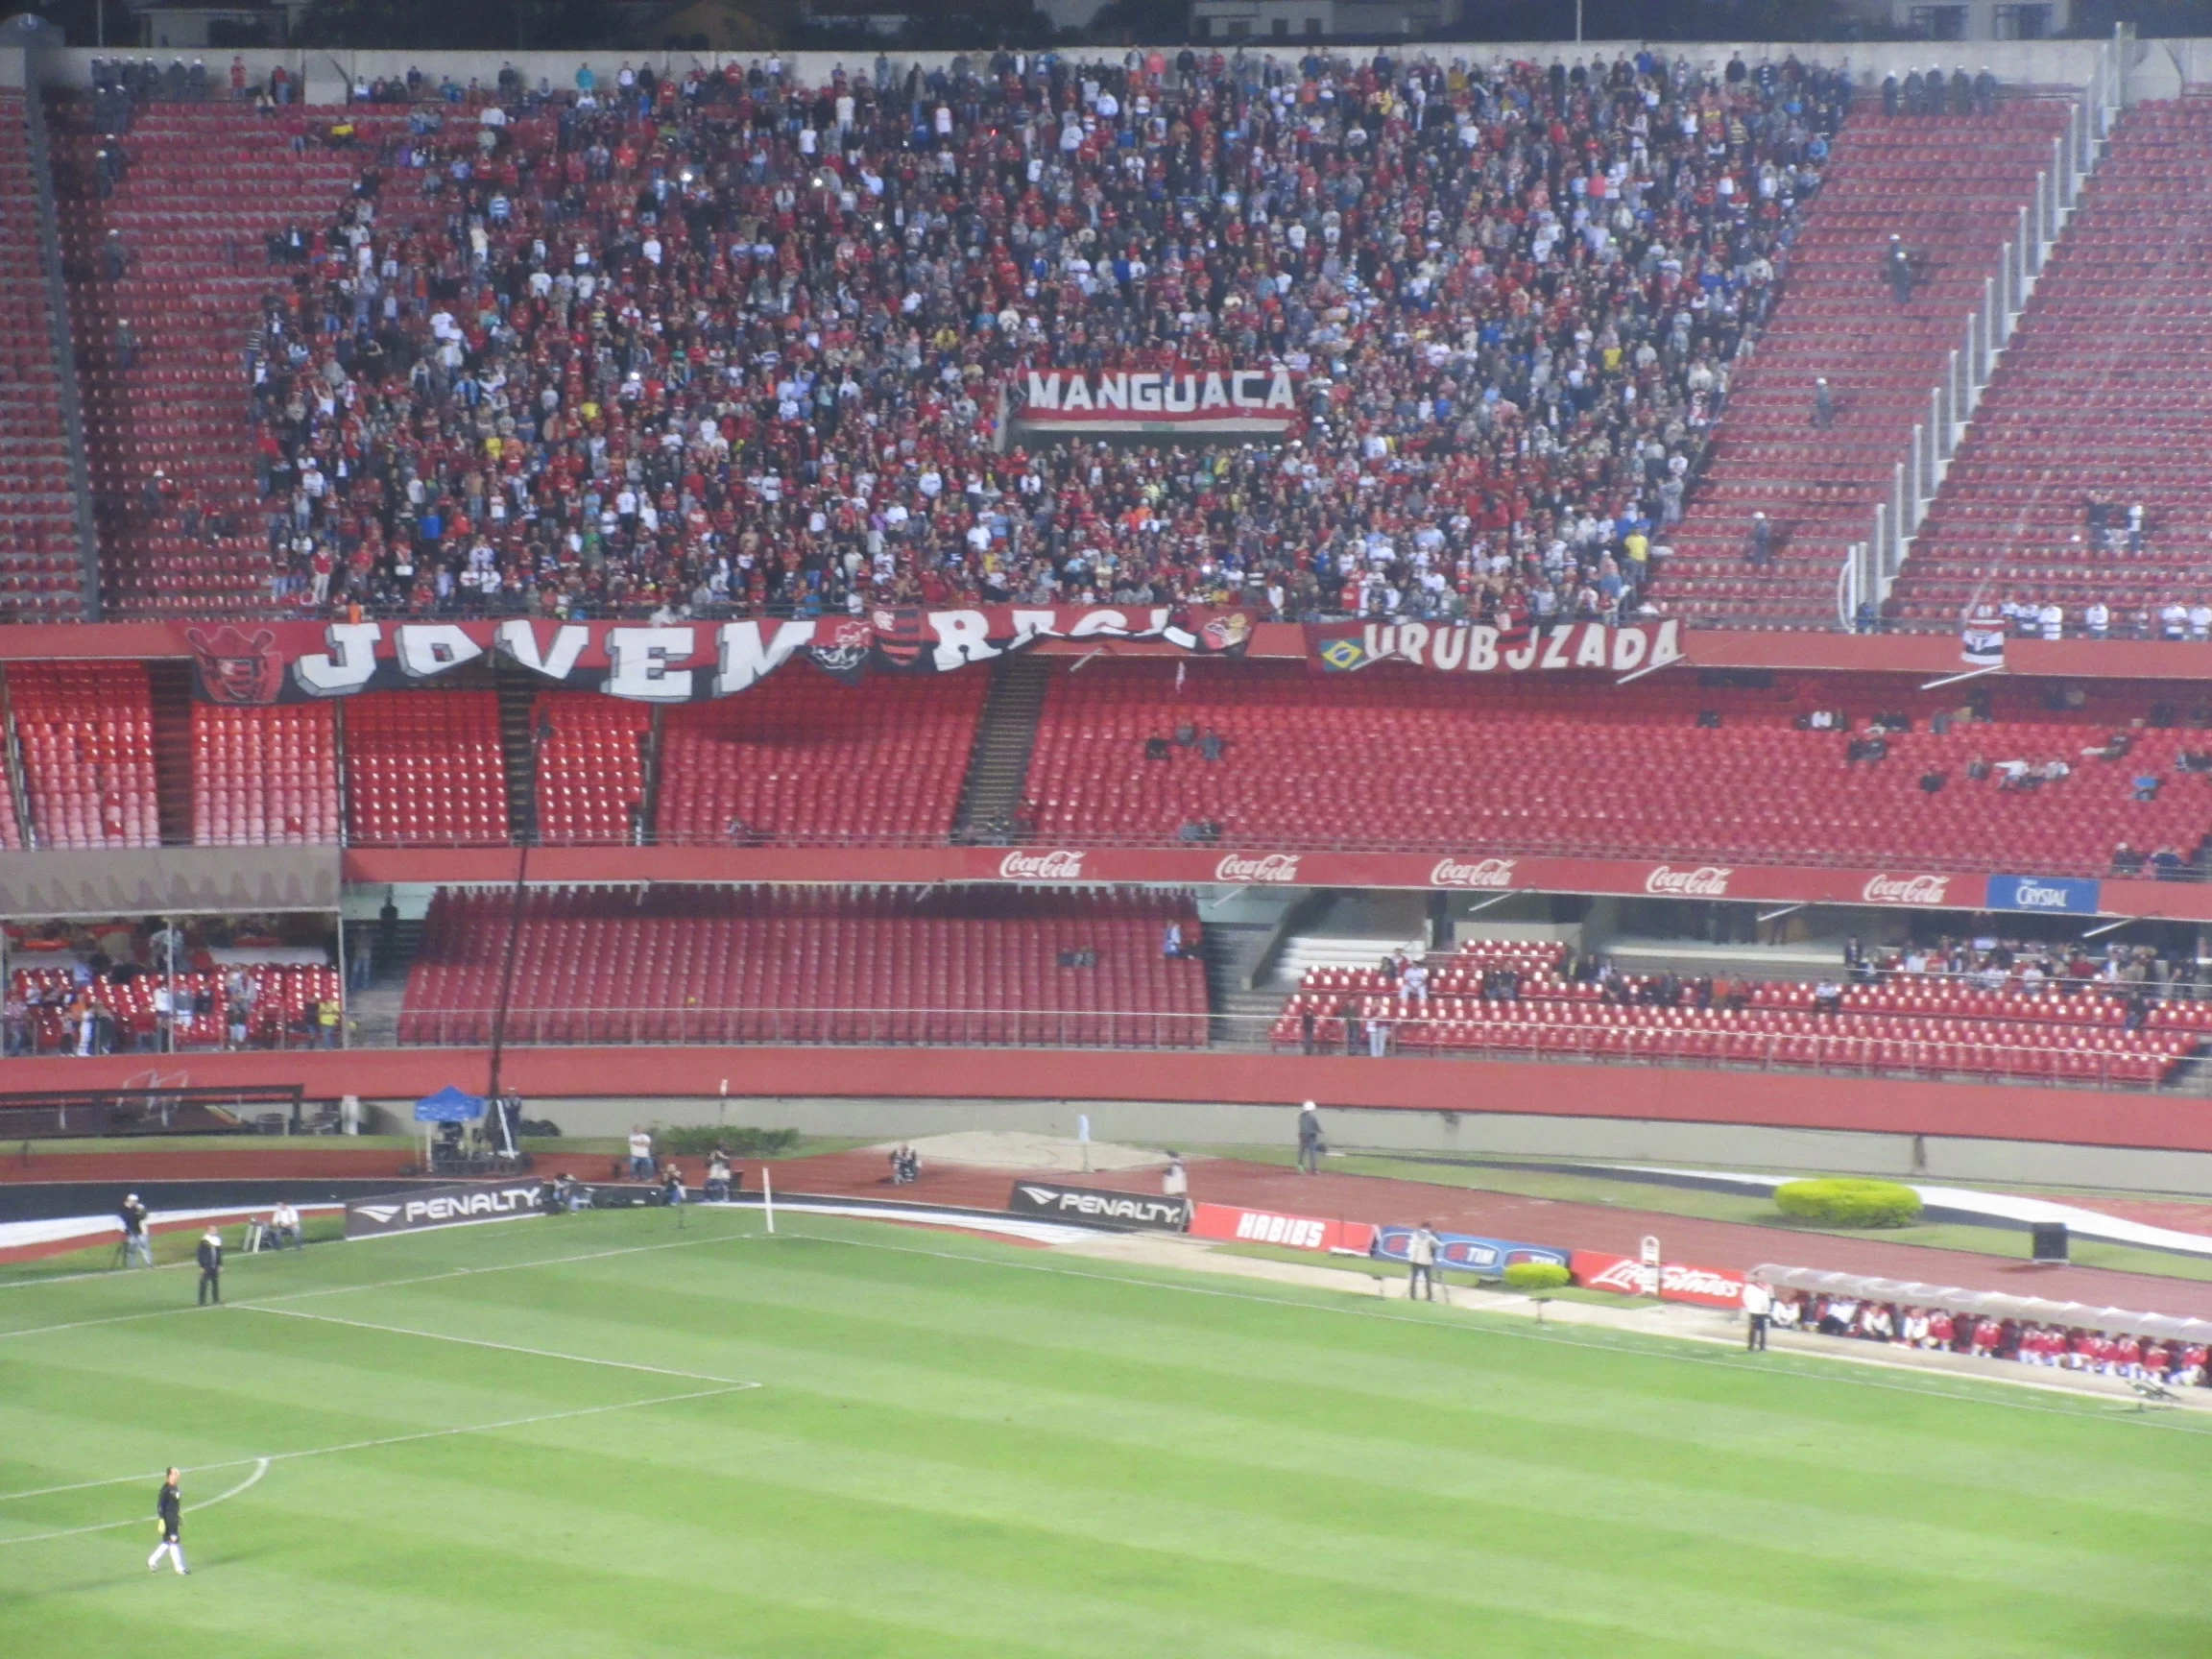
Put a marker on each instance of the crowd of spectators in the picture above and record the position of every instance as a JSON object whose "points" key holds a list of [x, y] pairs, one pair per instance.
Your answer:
{"points": [[137, 986], [2124, 1355], [719, 342]]}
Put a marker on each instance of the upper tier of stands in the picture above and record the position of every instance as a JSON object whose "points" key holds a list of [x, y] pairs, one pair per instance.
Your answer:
{"points": [[1517, 294], [798, 965], [168, 266], [40, 579], [1389, 758], [2106, 393], [1952, 187]]}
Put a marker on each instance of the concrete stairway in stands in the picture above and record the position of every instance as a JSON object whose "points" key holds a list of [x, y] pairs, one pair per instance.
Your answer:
{"points": [[373, 1012], [1234, 951], [998, 766]]}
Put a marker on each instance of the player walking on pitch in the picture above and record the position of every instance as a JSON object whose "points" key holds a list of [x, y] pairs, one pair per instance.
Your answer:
{"points": [[169, 1518]]}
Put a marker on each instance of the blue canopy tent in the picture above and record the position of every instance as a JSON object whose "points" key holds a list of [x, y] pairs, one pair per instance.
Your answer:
{"points": [[450, 1105]]}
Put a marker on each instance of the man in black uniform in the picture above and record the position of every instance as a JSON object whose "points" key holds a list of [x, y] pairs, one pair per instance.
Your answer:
{"points": [[169, 1518], [211, 1254]]}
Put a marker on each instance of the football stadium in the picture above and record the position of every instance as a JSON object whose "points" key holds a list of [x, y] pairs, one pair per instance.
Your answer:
{"points": [[916, 834]]}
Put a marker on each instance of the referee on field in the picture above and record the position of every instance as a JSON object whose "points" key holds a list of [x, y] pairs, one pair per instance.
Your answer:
{"points": [[169, 1518], [211, 1254]]}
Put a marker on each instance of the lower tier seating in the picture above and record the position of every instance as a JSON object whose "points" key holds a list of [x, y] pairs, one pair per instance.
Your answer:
{"points": [[1506, 999], [768, 965], [275, 1010]]}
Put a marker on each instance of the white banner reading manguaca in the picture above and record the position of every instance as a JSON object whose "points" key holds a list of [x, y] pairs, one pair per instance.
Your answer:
{"points": [[1258, 403], [1452, 648]]}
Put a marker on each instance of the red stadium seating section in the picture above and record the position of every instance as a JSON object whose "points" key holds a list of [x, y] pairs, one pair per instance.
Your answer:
{"points": [[282, 995], [745, 965], [206, 184], [801, 756], [1952, 187], [1390, 758], [424, 768], [591, 767], [264, 776], [2106, 386], [39, 576], [1906, 1025], [86, 732]]}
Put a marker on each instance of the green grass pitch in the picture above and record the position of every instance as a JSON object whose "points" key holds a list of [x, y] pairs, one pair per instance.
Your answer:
{"points": [[597, 1435]]}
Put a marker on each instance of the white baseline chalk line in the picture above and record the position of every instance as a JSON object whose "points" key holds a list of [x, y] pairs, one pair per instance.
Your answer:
{"points": [[261, 1464]]}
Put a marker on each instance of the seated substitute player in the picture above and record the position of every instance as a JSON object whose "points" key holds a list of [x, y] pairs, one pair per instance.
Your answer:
{"points": [[169, 1521]]}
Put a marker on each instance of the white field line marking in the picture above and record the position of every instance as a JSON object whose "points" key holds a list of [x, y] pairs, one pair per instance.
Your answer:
{"points": [[376, 1284], [502, 1347], [263, 1463], [2146, 1418], [260, 1468]]}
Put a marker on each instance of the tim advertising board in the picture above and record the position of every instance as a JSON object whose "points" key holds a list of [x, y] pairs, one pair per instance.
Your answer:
{"points": [[1678, 1280], [1229, 1222], [1485, 1257], [440, 1207], [1095, 1207]]}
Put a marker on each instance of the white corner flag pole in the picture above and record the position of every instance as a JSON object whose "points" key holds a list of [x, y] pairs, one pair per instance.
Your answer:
{"points": [[768, 1197]]}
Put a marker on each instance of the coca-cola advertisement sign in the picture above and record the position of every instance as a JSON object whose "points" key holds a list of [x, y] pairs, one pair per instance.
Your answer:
{"points": [[1706, 881], [1058, 865], [1622, 1275], [1678, 1280], [1906, 889], [1490, 872], [1707, 1287], [1273, 867]]}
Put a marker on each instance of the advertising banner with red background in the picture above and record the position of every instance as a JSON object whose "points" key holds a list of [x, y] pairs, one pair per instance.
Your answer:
{"points": [[1226, 1221], [1678, 1281]]}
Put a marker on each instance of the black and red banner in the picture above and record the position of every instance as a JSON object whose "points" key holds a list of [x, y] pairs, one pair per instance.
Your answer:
{"points": [[671, 662]]}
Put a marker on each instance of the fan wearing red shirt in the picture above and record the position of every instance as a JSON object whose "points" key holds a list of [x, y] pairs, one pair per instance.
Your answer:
{"points": [[2189, 1371], [1939, 1330], [2127, 1357], [1985, 1334]]}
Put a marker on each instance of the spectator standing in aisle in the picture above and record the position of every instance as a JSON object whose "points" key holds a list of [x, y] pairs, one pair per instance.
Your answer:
{"points": [[1310, 1146], [1897, 271], [1823, 404], [1758, 1310], [364, 960], [1759, 552], [209, 1256]]}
